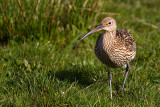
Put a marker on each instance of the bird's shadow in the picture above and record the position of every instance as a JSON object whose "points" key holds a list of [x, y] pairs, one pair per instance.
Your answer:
{"points": [[82, 75]]}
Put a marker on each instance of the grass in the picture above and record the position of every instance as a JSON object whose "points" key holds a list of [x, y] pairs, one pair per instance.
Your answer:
{"points": [[39, 68]]}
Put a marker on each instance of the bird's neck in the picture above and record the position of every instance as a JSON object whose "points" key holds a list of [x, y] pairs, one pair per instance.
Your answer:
{"points": [[108, 39], [110, 35]]}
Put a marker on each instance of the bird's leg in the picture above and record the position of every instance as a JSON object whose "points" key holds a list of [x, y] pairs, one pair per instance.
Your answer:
{"points": [[125, 77], [110, 80]]}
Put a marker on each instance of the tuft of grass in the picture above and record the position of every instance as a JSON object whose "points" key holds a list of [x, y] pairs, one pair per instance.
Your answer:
{"points": [[39, 68], [45, 19]]}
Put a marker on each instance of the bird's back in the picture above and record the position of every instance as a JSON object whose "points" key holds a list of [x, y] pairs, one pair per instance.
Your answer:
{"points": [[127, 39], [115, 51]]}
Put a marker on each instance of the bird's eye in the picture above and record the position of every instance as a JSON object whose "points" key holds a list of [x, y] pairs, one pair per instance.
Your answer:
{"points": [[109, 23]]}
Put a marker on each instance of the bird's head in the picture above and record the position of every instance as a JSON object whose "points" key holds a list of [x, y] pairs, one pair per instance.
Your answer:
{"points": [[108, 24]]}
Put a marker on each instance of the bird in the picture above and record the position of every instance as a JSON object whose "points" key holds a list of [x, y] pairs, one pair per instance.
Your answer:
{"points": [[114, 48]]}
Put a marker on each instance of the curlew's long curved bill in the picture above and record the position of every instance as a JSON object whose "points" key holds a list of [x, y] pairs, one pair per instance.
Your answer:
{"points": [[98, 28]]}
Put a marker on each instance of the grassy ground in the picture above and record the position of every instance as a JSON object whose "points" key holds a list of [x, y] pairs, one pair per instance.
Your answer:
{"points": [[38, 66]]}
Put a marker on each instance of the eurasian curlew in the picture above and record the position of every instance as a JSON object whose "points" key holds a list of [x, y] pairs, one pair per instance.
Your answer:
{"points": [[115, 48]]}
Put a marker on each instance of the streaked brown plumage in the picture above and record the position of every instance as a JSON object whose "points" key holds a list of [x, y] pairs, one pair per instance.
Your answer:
{"points": [[115, 48], [115, 51]]}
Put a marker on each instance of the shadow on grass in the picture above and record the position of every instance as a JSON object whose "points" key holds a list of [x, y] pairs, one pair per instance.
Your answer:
{"points": [[83, 75]]}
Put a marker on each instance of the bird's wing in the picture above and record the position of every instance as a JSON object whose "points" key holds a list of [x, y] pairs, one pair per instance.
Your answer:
{"points": [[126, 39]]}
